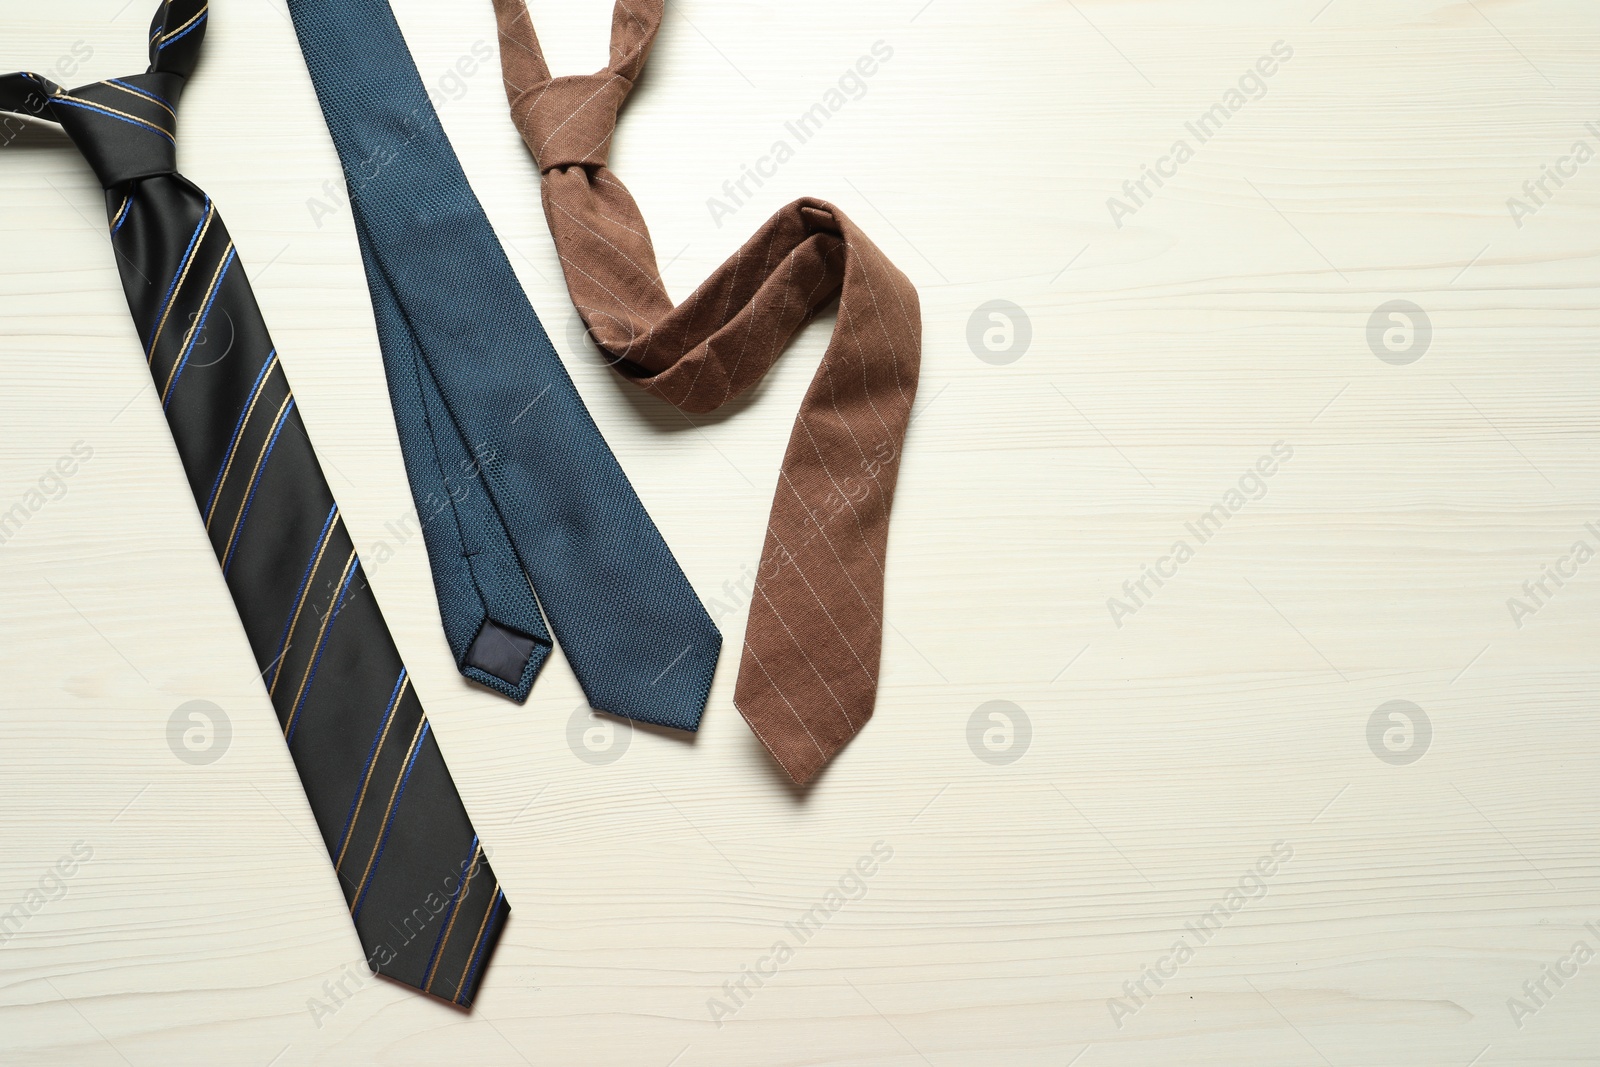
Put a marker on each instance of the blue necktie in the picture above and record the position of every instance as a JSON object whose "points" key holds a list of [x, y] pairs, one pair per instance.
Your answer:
{"points": [[518, 494]]}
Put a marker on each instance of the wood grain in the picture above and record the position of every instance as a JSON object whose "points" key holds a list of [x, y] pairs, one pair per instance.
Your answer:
{"points": [[1228, 712]]}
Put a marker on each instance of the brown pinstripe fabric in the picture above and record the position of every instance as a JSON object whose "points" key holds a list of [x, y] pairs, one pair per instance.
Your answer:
{"points": [[809, 675]]}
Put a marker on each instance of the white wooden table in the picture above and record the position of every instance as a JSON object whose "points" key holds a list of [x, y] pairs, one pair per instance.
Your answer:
{"points": [[1212, 759]]}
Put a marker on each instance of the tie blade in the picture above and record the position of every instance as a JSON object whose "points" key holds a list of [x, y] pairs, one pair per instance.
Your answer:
{"points": [[628, 621], [808, 678], [665, 682], [408, 858], [424, 900], [432, 929], [797, 716], [485, 601], [427, 906]]}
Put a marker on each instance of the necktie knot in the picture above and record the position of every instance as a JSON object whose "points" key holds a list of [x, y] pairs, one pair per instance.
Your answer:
{"points": [[808, 678], [568, 121], [125, 127]]}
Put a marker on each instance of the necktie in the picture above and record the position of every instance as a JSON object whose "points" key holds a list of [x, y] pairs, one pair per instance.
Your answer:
{"points": [[425, 903], [809, 675], [478, 388]]}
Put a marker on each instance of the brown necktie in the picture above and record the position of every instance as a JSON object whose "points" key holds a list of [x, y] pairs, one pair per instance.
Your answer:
{"points": [[809, 674]]}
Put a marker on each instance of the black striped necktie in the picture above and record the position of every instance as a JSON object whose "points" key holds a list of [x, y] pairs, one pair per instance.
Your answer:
{"points": [[425, 903]]}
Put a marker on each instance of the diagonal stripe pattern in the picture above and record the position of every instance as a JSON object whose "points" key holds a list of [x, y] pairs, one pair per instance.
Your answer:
{"points": [[808, 679], [425, 904]]}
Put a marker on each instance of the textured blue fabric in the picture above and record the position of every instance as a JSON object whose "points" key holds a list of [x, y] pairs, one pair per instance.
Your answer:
{"points": [[514, 485]]}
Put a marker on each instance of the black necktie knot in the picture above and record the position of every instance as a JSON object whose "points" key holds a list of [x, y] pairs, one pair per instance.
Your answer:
{"points": [[125, 127]]}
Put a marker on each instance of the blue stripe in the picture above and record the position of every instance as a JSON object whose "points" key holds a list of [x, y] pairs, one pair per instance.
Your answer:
{"points": [[188, 349], [197, 24], [166, 301], [254, 485], [467, 871], [278, 660], [238, 428], [146, 93], [477, 960], [321, 648], [148, 128], [389, 826], [122, 216], [371, 753]]}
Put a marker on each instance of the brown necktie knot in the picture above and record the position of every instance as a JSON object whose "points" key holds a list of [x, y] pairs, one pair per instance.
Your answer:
{"points": [[808, 678], [568, 121]]}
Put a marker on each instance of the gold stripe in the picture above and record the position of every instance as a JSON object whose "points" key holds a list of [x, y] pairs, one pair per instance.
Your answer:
{"points": [[266, 444], [228, 466], [494, 894], [451, 925], [211, 213], [142, 96], [227, 253], [102, 107], [355, 816], [398, 778], [312, 662], [169, 36], [288, 637]]}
